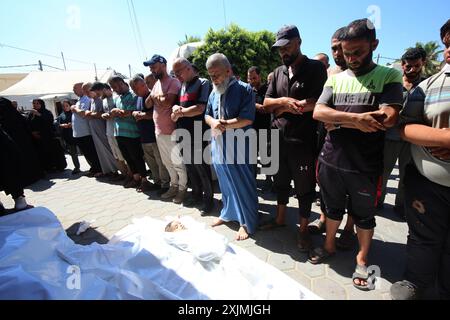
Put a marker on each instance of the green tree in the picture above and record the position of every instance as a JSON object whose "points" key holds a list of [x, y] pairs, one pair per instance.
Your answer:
{"points": [[189, 39], [243, 48], [433, 65]]}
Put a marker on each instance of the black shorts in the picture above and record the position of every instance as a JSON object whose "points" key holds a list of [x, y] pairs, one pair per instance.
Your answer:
{"points": [[298, 163], [362, 193]]}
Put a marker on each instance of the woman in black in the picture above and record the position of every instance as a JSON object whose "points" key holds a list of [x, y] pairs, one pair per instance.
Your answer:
{"points": [[49, 152], [18, 166]]}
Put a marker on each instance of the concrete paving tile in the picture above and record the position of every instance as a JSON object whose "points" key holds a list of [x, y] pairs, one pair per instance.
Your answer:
{"points": [[282, 262], [329, 289], [300, 278], [260, 253], [310, 270]]}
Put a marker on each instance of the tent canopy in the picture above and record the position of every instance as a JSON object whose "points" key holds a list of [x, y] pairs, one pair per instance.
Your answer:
{"points": [[184, 51], [51, 86], [9, 79], [40, 83]]}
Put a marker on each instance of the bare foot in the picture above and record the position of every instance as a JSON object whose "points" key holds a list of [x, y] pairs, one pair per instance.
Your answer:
{"points": [[217, 222], [242, 234]]}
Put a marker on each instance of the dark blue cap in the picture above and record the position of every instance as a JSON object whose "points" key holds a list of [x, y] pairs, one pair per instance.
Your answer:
{"points": [[285, 35], [155, 59]]}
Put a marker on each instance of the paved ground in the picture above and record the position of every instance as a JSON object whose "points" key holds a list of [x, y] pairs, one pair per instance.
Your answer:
{"points": [[74, 199]]}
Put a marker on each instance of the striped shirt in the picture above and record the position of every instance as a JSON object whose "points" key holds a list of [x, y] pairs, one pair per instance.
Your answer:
{"points": [[126, 127], [429, 105]]}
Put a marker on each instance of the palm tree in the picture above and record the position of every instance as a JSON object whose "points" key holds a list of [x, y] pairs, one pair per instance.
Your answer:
{"points": [[433, 64], [433, 51], [189, 39]]}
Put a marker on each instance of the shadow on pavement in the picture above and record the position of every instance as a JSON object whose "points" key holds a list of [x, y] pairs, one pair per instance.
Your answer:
{"points": [[89, 237], [41, 185]]}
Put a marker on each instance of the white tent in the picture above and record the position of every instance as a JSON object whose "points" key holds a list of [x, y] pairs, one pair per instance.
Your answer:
{"points": [[184, 51], [9, 79], [52, 86]]}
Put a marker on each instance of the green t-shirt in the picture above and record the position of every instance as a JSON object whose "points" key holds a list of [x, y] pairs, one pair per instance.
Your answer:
{"points": [[126, 127], [352, 150]]}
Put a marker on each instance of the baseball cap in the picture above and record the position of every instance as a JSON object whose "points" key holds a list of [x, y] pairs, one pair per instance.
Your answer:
{"points": [[155, 59], [285, 35]]}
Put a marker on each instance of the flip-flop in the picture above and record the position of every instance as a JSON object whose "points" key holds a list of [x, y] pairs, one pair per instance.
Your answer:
{"points": [[271, 225], [361, 273], [319, 255]]}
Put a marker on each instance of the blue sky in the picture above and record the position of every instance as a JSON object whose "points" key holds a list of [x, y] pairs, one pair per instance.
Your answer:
{"points": [[100, 31]]}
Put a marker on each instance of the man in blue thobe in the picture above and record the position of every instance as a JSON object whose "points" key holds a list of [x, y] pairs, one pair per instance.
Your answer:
{"points": [[230, 113]]}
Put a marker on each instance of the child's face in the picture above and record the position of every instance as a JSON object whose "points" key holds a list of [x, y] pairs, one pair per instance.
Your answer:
{"points": [[176, 226]]}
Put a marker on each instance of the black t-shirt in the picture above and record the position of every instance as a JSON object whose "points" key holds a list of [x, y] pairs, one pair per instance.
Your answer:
{"points": [[307, 83], [351, 150], [193, 93], [66, 133], [262, 120], [146, 127]]}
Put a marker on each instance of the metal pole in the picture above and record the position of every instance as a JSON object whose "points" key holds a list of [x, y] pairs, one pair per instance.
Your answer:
{"points": [[95, 68], [378, 58], [40, 65], [129, 67], [64, 61]]}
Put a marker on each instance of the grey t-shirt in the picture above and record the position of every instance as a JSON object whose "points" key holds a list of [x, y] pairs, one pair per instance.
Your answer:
{"points": [[429, 105], [80, 125]]}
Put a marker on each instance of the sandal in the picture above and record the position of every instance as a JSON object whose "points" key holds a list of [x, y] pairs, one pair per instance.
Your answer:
{"points": [[362, 274], [346, 241], [271, 225], [316, 227], [319, 255]]}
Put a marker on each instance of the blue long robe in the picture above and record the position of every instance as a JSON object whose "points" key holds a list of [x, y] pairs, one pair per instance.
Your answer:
{"points": [[234, 171]]}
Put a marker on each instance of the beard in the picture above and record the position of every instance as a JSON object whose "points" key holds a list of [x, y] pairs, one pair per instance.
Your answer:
{"points": [[288, 60], [363, 65], [340, 62], [221, 88], [413, 75], [158, 76]]}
